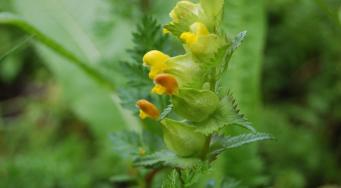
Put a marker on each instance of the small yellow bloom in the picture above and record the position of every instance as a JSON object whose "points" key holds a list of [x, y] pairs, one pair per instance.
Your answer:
{"points": [[147, 109], [188, 37], [165, 83], [197, 29], [156, 60]]}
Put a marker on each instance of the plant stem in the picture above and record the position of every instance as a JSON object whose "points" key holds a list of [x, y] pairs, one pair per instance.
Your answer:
{"points": [[150, 176]]}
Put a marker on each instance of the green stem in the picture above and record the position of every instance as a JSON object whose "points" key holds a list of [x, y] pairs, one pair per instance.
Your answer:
{"points": [[182, 183]]}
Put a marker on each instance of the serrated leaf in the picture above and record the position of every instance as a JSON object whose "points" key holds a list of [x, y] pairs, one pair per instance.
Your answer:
{"points": [[166, 111], [192, 175], [148, 36], [237, 41], [222, 143], [126, 143], [166, 158], [171, 181], [226, 114]]}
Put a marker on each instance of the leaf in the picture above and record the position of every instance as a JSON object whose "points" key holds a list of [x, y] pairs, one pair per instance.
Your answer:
{"points": [[166, 158], [172, 180], [192, 175], [222, 143], [130, 143], [226, 114], [126, 143], [13, 20], [148, 36], [237, 41], [230, 183], [166, 111]]}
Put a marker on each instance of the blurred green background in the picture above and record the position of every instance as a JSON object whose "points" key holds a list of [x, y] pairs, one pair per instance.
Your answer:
{"points": [[55, 121]]}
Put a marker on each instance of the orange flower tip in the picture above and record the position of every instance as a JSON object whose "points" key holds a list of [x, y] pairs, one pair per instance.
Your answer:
{"points": [[147, 109], [168, 82]]}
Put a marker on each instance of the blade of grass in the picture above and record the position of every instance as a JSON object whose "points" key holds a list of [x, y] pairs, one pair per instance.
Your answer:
{"points": [[16, 21]]}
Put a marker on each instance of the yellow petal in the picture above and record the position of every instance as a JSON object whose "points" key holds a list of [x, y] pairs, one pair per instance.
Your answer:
{"points": [[158, 89], [156, 60], [155, 57], [188, 37], [143, 115]]}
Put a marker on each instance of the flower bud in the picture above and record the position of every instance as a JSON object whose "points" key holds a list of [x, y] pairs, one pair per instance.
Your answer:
{"points": [[195, 105], [165, 83], [147, 109], [156, 60], [200, 41], [182, 139]]}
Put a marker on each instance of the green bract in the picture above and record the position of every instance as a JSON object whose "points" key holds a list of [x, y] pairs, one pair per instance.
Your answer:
{"points": [[188, 72], [182, 139], [195, 105]]}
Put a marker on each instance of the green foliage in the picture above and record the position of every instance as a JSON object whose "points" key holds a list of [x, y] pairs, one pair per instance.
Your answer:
{"points": [[148, 36], [171, 180], [166, 158], [226, 114], [221, 143]]}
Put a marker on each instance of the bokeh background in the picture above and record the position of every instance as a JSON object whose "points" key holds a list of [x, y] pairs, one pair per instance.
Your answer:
{"points": [[55, 121]]}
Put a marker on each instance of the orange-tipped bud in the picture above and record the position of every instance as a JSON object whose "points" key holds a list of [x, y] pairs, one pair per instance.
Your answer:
{"points": [[147, 109], [168, 82]]}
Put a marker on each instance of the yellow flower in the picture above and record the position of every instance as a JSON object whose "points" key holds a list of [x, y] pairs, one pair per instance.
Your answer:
{"points": [[156, 61], [165, 83], [197, 30], [147, 109]]}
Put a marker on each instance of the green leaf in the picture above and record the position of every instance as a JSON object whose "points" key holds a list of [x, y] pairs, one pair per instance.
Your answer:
{"points": [[126, 143], [13, 20], [222, 143], [129, 143], [192, 175], [230, 183], [166, 158], [172, 180], [226, 114], [166, 111], [148, 36], [237, 41]]}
